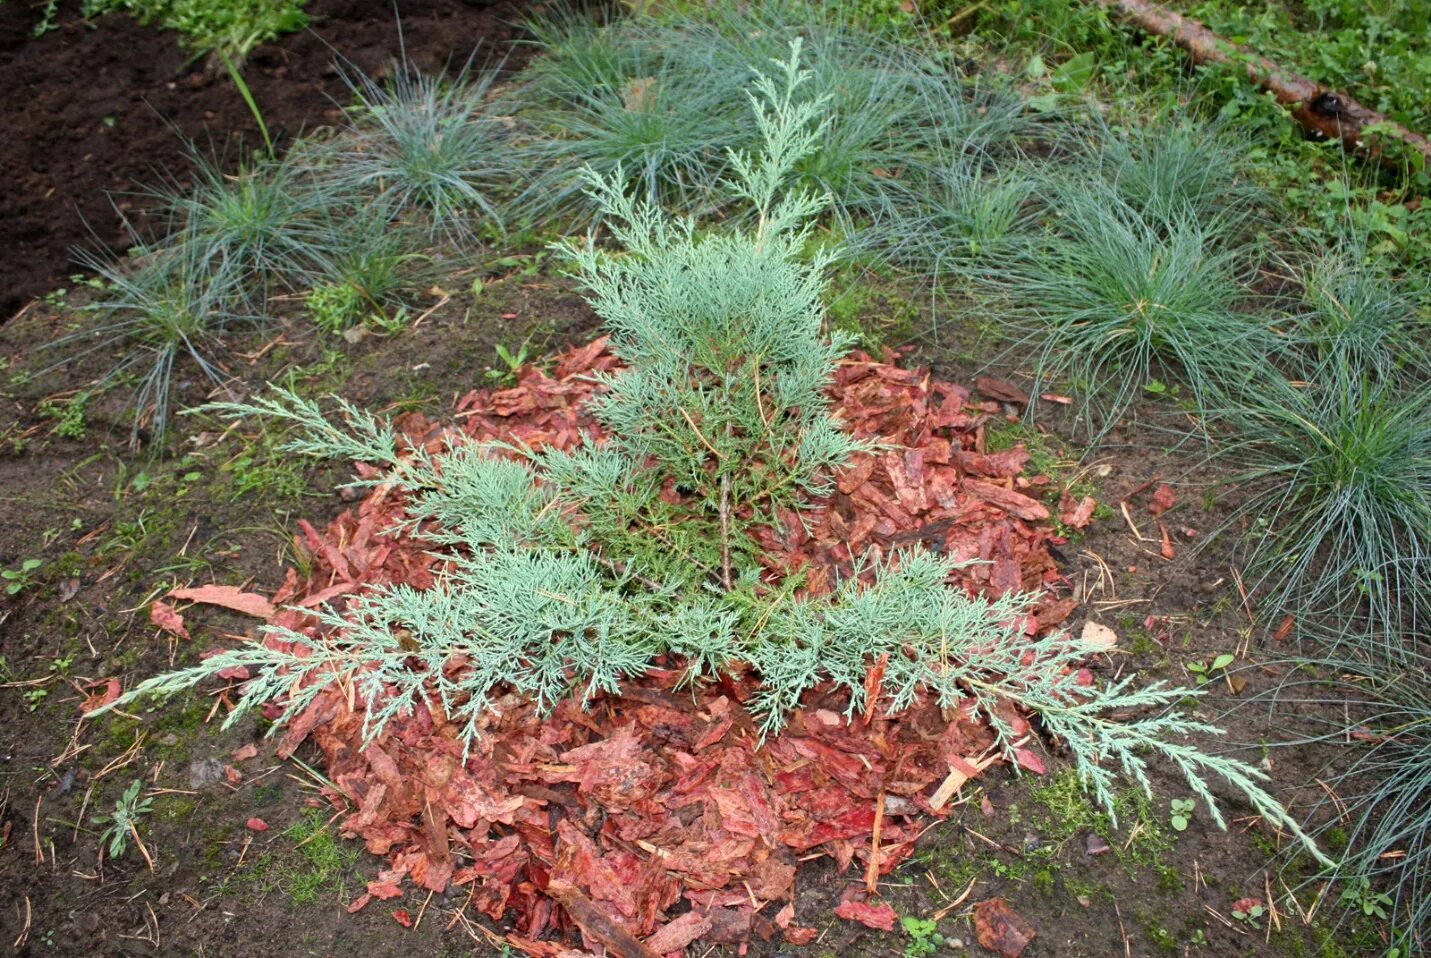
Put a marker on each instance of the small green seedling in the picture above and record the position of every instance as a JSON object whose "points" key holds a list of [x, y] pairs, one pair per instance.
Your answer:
{"points": [[1207, 671], [924, 937], [1249, 911], [395, 323], [123, 821], [1359, 895], [18, 580], [334, 307], [68, 416], [513, 364], [1182, 813]]}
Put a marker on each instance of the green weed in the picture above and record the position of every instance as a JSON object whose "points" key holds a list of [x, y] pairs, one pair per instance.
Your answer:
{"points": [[68, 416], [122, 823], [232, 28], [924, 937], [22, 577]]}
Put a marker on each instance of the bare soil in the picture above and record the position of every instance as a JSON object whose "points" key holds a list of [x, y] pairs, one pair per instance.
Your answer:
{"points": [[99, 108]]}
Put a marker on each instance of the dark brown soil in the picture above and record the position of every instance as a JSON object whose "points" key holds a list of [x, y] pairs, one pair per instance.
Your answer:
{"points": [[97, 108]]}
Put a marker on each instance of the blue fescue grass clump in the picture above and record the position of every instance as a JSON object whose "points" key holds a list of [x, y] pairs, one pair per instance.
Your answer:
{"points": [[226, 246], [1353, 308], [166, 304], [1377, 800], [427, 146], [1340, 468], [1333, 438], [663, 100], [1173, 167], [624, 95], [964, 224], [255, 222], [1119, 299]]}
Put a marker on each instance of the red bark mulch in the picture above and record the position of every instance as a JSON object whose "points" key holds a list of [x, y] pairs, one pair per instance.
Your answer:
{"points": [[657, 817]]}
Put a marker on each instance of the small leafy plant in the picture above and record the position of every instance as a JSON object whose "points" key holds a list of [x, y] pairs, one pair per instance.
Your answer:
{"points": [[19, 579], [232, 28], [1358, 895], [1207, 671], [122, 823], [334, 307], [924, 937], [68, 416], [1181, 813], [1249, 911], [511, 363]]}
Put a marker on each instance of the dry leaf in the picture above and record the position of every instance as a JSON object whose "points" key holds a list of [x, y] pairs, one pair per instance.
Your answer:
{"points": [[880, 917], [1162, 500], [163, 615], [1001, 390], [1097, 636], [1001, 929], [249, 603], [638, 96], [1076, 515]]}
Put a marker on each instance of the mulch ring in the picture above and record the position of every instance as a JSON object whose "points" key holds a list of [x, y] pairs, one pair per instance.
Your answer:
{"points": [[652, 819]]}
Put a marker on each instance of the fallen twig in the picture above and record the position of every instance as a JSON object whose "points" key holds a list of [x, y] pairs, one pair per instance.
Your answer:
{"points": [[1322, 112]]}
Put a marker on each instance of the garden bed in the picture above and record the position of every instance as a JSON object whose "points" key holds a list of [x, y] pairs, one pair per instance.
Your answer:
{"points": [[246, 853]]}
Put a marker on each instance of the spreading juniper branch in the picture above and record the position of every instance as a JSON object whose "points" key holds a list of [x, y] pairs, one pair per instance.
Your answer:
{"points": [[1079, 718], [360, 437]]}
